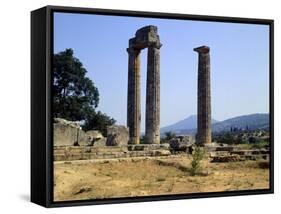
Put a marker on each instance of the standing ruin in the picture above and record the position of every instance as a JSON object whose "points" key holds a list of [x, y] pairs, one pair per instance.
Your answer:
{"points": [[146, 37], [203, 97]]}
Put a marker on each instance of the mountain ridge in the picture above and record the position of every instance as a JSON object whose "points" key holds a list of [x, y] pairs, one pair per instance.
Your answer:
{"points": [[250, 121]]}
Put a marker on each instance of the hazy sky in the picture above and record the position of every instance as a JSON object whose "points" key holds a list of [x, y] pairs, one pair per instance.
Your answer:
{"points": [[239, 63]]}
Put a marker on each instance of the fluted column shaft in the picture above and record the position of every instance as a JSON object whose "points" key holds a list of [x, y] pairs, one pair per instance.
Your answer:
{"points": [[152, 116], [204, 97], [134, 93]]}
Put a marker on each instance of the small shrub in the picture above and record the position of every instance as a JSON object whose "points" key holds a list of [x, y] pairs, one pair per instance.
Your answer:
{"points": [[260, 145], [197, 157]]}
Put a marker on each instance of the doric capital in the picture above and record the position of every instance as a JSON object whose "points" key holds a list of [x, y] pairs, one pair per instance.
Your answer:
{"points": [[145, 37], [147, 29], [202, 49]]}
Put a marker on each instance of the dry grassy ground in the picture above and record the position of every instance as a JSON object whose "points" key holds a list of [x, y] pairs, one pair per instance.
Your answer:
{"points": [[79, 180]]}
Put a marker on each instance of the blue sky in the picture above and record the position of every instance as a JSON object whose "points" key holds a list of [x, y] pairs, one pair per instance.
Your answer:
{"points": [[239, 63]]}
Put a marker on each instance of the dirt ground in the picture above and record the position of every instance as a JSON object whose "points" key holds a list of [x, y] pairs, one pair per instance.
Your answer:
{"points": [[80, 180]]}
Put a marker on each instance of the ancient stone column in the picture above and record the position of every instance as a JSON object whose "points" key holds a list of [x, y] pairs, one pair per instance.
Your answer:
{"points": [[203, 97], [152, 116], [133, 102]]}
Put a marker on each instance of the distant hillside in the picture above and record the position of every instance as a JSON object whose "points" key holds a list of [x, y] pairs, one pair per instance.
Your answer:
{"points": [[189, 125], [252, 121]]}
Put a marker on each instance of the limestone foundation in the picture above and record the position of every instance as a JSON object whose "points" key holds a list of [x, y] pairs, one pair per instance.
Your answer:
{"points": [[203, 97]]}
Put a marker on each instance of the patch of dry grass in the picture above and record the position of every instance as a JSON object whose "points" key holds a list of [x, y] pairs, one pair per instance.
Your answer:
{"points": [[143, 177]]}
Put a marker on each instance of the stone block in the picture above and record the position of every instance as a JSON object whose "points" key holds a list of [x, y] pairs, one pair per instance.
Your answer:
{"points": [[100, 143], [226, 158], [180, 143], [117, 135], [68, 133], [94, 136]]}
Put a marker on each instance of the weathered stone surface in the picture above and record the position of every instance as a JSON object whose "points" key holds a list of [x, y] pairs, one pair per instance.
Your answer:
{"points": [[68, 133], [233, 153], [220, 153], [225, 148], [149, 147], [66, 153], [94, 136], [161, 153], [165, 146], [203, 97], [88, 149], [146, 37], [212, 147], [83, 139], [101, 142], [66, 122], [226, 158], [152, 116], [117, 135], [134, 93], [181, 143]]}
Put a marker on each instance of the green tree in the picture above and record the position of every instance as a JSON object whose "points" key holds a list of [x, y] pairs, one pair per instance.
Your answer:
{"points": [[227, 139], [74, 93], [98, 121], [252, 139], [169, 135], [75, 96], [239, 140]]}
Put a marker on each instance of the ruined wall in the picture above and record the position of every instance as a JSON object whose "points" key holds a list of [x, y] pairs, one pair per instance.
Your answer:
{"points": [[67, 133], [69, 153]]}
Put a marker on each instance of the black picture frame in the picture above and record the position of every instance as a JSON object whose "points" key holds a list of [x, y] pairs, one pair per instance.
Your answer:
{"points": [[41, 108]]}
